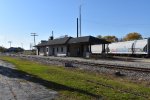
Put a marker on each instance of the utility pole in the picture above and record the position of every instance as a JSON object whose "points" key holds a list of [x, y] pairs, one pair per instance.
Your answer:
{"points": [[34, 35], [10, 43]]}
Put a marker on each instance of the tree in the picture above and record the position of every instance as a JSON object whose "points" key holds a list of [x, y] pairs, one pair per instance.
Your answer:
{"points": [[2, 49], [110, 38], [15, 49], [132, 36], [99, 36]]}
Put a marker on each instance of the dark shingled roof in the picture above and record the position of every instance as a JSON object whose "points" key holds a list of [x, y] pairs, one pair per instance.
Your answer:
{"points": [[70, 40], [59, 41], [87, 39]]}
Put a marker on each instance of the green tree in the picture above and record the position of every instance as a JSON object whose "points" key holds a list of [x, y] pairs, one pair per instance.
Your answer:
{"points": [[99, 36], [2, 49], [132, 36], [110, 38]]}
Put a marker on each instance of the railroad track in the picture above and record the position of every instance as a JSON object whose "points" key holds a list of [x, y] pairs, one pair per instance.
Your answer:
{"points": [[146, 70], [107, 66], [115, 66]]}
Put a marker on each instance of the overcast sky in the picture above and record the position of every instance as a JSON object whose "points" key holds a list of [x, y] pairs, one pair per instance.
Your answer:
{"points": [[19, 18]]}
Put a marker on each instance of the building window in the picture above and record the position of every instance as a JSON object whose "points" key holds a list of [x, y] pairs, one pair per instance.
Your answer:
{"points": [[61, 49], [57, 49], [53, 51]]}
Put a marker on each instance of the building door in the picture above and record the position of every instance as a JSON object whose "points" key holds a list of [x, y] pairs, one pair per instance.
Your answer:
{"points": [[53, 51], [80, 51]]}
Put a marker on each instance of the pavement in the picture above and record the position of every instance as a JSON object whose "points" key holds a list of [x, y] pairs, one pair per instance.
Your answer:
{"points": [[17, 85]]}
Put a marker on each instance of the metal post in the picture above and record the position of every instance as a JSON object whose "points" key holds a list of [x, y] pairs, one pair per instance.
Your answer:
{"points": [[148, 47], [77, 29], [80, 18]]}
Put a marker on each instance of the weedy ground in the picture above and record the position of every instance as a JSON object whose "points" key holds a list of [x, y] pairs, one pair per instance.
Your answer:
{"points": [[75, 84]]}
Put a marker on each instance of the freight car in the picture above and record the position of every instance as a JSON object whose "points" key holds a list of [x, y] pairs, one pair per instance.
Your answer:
{"points": [[135, 47]]}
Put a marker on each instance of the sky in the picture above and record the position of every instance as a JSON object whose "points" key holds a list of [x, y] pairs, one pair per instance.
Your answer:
{"points": [[19, 18]]}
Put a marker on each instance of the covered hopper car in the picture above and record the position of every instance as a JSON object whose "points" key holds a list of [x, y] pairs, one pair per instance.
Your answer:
{"points": [[135, 47]]}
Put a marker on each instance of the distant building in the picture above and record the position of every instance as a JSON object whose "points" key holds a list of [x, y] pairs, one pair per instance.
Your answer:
{"points": [[69, 46], [14, 50]]}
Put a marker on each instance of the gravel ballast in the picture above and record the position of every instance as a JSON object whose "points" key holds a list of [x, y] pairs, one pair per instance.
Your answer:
{"points": [[61, 61]]}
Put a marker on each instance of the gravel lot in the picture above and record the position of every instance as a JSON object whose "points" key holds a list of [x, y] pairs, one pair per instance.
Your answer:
{"points": [[16, 85]]}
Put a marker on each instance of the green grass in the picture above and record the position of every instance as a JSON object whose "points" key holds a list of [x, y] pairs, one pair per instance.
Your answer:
{"points": [[75, 84]]}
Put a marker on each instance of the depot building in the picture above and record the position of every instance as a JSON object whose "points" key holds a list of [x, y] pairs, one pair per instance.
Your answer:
{"points": [[69, 46]]}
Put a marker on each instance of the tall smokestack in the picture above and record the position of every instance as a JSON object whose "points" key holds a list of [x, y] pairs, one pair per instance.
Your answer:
{"points": [[52, 37], [77, 29], [52, 34]]}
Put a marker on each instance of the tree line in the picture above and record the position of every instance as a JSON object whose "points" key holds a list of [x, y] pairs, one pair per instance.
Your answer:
{"points": [[11, 49], [128, 37]]}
